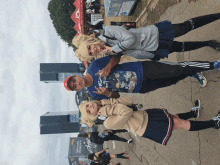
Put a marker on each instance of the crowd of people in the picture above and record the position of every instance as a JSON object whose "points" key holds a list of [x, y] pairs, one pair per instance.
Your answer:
{"points": [[93, 7], [105, 78]]}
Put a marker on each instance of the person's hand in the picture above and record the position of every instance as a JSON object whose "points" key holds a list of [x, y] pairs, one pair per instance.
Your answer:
{"points": [[112, 163], [104, 102], [110, 131], [107, 49], [102, 91], [104, 72]]}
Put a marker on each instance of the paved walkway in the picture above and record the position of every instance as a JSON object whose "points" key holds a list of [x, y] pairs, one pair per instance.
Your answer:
{"points": [[183, 148]]}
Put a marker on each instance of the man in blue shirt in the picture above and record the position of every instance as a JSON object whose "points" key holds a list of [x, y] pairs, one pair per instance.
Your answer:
{"points": [[104, 78]]}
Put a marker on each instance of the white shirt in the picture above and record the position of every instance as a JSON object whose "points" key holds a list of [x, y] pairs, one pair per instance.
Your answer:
{"points": [[88, 1]]}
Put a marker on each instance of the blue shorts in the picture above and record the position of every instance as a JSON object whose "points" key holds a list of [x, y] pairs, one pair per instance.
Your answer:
{"points": [[160, 126]]}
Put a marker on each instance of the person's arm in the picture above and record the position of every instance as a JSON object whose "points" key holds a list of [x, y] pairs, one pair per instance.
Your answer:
{"points": [[97, 153], [106, 92], [122, 100], [114, 94], [126, 38], [112, 163], [112, 63], [117, 119]]}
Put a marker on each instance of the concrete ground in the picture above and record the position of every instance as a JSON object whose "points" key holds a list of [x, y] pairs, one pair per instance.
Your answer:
{"points": [[183, 148]]}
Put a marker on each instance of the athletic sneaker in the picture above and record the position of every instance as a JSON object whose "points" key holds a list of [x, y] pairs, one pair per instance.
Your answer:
{"points": [[130, 140], [214, 44], [216, 65], [217, 121], [196, 108], [201, 79]]}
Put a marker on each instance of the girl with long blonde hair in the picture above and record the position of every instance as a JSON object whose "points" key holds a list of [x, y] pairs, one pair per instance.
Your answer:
{"points": [[156, 124]]}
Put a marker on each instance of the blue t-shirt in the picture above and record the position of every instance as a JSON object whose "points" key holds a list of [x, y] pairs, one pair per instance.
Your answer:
{"points": [[126, 77]]}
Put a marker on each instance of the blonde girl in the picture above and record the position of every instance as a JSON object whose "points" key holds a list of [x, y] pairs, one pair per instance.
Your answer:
{"points": [[155, 124]]}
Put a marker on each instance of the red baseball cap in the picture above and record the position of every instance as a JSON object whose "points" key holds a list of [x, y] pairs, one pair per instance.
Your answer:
{"points": [[66, 83]]}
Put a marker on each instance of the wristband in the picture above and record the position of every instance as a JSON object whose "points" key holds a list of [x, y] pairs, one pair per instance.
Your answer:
{"points": [[110, 94]]}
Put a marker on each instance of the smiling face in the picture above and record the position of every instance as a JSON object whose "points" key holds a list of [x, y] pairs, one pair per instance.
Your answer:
{"points": [[95, 49], [76, 83], [92, 108]]}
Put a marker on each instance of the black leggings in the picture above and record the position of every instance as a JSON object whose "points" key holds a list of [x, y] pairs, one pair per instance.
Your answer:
{"points": [[194, 23], [112, 136], [120, 156], [185, 27], [162, 74]]}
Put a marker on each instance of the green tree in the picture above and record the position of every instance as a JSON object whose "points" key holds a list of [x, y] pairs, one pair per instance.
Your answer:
{"points": [[60, 14]]}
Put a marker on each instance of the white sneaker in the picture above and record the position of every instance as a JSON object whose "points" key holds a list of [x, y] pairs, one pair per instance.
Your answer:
{"points": [[217, 121], [196, 108], [130, 140], [201, 79]]}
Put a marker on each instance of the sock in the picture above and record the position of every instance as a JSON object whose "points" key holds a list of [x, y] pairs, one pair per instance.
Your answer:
{"points": [[200, 125], [203, 20], [186, 115], [194, 23], [187, 46]]}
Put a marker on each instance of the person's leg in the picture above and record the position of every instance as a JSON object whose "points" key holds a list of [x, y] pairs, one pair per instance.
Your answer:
{"points": [[162, 70], [162, 74], [192, 125], [112, 156], [194, 23], [121, 156], [194, 113], [188, 46], [197, 125], [119, 131], [117, 138]]}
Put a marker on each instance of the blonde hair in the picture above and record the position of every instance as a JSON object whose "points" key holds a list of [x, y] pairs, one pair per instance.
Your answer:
{"points": [[85, 117], [77, 40], [82, 42]]}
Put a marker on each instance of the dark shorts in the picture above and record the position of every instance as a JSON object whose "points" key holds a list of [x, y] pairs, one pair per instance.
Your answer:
{"points": [[106, 155], [166, 36], [160, 126]]}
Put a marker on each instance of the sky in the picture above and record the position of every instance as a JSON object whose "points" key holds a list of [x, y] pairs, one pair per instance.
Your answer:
{"points": [[28, 38]]}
